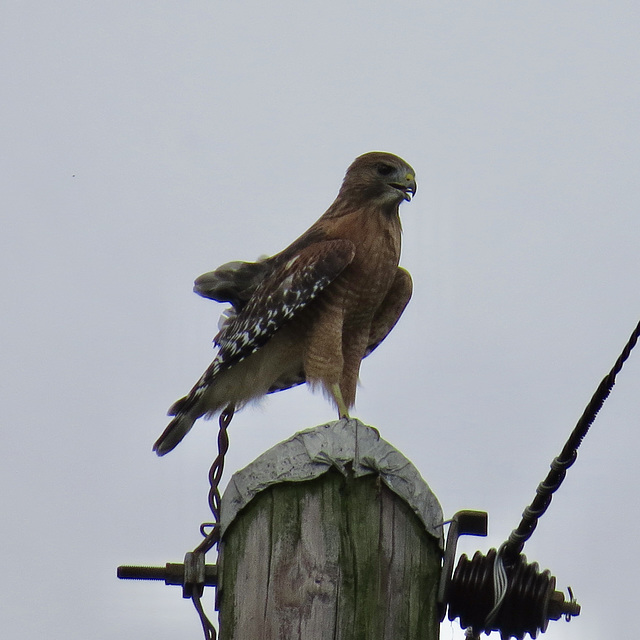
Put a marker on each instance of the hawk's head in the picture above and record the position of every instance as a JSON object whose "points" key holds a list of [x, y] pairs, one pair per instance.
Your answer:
{"points": [[380, 177]]}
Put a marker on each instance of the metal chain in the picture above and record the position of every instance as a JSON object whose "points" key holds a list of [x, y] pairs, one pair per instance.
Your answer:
{"points": [[213, 537], [567, 457]]}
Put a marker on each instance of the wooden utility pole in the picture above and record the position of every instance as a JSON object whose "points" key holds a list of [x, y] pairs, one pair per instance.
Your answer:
{"points": [[330, 535]]}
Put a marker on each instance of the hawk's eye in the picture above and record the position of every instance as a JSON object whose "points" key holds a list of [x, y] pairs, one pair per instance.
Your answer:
{"points": [[385, 169]]}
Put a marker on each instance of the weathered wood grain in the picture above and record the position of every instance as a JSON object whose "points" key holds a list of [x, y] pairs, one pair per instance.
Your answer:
{"points": [[334, 558]]}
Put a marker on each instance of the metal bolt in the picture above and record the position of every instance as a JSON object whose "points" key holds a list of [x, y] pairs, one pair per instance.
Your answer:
{"points": [[171, 573], [559, 607]]}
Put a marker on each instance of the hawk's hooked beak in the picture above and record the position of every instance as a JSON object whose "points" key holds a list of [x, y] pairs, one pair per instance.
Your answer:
{"points": [[409, 187]]}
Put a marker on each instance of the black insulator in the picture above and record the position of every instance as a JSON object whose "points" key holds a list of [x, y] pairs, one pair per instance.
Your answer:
{"points": [[524, 609]]}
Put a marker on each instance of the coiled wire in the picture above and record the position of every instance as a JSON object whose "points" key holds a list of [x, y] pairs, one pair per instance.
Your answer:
{"points": [[212, 538]]}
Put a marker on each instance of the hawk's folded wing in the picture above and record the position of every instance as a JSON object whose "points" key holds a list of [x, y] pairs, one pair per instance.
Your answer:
{"points": [[282, 294]]}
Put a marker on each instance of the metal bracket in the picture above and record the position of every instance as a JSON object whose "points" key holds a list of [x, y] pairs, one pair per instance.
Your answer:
{"points": [[463, 523]]}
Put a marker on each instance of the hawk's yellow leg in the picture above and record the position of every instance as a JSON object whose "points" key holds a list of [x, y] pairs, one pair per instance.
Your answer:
{"points": [[343, 412]]}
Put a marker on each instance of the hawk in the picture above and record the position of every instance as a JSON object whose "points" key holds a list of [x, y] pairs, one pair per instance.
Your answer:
{"points": [[312, 312]]}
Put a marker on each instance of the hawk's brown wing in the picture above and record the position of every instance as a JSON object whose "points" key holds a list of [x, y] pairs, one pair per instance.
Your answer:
{"points": [[391, 309], [279, 297], [385, 319]]}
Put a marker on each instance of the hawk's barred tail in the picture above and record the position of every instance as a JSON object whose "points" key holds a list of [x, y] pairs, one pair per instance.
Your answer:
{"points": [[173, 434]]}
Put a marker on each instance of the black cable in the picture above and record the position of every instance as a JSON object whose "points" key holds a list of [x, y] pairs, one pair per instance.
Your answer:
{"points": [[567, 457]]}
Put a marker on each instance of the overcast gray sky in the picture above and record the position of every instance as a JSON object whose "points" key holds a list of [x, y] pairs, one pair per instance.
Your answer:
{"points": [[147, 142]]}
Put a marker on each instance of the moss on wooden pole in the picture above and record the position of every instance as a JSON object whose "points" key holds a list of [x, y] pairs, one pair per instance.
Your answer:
{"points": [[327, 536]]}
